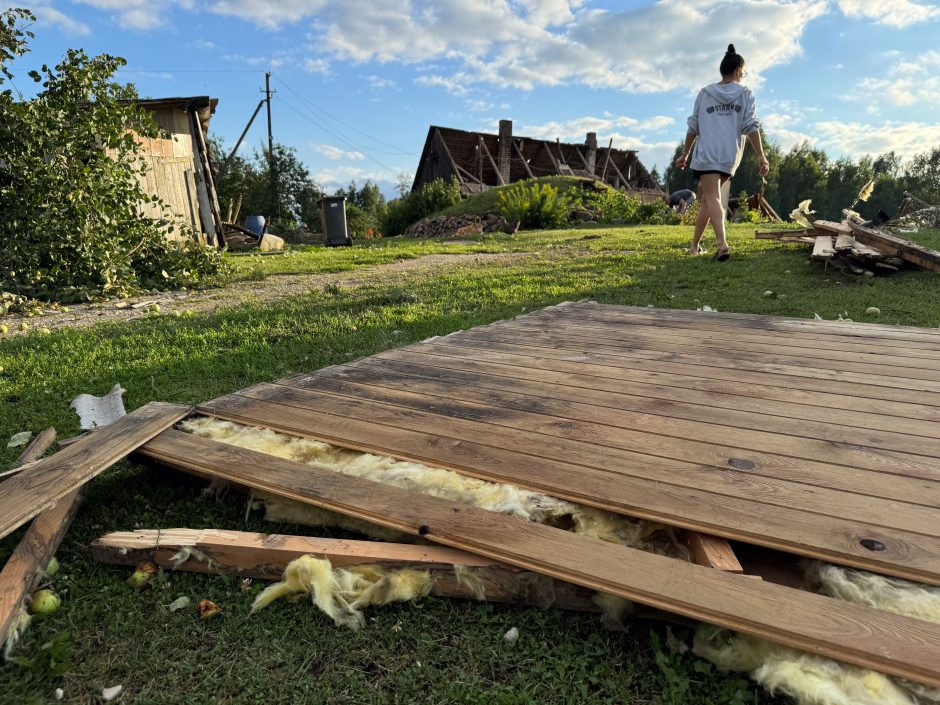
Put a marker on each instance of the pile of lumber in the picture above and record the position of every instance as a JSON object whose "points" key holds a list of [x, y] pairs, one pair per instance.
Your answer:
{"points": [[858, 248]]}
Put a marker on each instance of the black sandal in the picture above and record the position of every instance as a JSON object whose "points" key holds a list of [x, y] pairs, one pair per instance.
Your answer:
{"points": [[723, 256]]}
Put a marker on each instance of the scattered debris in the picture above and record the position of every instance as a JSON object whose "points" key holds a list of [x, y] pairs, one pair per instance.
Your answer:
{"points": [[208, 610], [511, 636], [143, 575], [180, 603], [59, 693], [109, 694], [100, 411], [44, 602], [17, 440]]}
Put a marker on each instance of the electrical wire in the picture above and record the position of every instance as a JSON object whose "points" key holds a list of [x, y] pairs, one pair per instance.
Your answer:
{"points": [[312, 106]]}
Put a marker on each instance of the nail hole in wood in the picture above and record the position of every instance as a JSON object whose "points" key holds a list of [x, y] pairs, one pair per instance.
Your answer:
{"points": [[424, 530], [872, 545]]}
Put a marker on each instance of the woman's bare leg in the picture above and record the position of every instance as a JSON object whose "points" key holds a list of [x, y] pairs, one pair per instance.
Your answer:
{"points": [[701, 222], [711, 204]]}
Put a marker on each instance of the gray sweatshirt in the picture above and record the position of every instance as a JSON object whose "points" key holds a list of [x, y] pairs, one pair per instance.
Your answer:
{"points": [[724, 114]]}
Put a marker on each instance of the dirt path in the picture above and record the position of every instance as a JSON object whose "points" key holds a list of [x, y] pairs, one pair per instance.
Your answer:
{"points": [[273, 288]]}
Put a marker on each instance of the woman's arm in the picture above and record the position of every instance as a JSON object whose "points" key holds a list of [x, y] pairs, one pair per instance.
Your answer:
{"points": [[683, 159], [755, 140]]}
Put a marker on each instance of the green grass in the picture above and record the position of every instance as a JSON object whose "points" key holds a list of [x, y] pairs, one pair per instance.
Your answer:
{"points": [[291, 653]]}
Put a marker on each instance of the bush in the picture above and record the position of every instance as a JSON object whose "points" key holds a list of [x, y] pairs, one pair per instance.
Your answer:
{"points": [[534, 205], [70, 186], [429, 199], [615, 206]]}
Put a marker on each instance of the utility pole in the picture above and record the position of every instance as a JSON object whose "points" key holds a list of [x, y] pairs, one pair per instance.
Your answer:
{"points": [[271, 163]]}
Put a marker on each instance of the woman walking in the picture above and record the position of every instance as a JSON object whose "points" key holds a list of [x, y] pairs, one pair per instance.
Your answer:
{"points": [[722, 119]]}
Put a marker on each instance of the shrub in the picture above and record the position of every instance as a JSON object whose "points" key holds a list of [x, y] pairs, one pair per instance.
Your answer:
{"points": [[534, 205], [70, 186], [429, 199], [615, 206]]}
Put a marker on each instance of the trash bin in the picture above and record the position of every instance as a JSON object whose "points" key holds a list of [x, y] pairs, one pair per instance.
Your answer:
{"points": [[255, 223], [333, 219]]}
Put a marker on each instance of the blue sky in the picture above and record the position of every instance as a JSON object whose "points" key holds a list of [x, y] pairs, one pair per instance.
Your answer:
{"points": [[359, 81]]}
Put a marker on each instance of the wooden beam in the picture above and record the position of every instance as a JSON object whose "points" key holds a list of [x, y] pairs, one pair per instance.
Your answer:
{"points": [[894, 246], [440, 139], [525, 164], [860, 635], [265, 556], [37, 547], [824, 247], [607, 159], [203, 156], [33, 452], [486, 151], [833, 227], [551, 157], [45, 482], [712, 552]]}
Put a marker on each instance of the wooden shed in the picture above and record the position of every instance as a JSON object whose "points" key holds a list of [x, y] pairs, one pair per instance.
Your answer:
{"points": [[483, 160], [180, 171]]}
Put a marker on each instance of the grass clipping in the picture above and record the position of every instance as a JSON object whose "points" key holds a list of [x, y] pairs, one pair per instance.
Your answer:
{"points": [[342, 593]]}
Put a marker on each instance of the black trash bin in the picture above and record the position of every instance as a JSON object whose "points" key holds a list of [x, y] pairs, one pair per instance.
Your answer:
{"points": [[333, 219]]}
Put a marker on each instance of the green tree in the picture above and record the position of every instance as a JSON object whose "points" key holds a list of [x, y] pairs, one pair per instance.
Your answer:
{"points": [[923, 176], [802, 175], [71, 226]]}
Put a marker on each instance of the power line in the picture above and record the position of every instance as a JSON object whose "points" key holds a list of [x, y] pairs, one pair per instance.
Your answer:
{"points": [[312, 106], [305, 116]]}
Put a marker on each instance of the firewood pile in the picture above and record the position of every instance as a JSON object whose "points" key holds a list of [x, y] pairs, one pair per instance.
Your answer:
{"points": [[857, 247]]}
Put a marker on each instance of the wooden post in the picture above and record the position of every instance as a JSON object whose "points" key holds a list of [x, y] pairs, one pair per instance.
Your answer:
{"points": [[486, 151], [522, 157], [607, 159]]}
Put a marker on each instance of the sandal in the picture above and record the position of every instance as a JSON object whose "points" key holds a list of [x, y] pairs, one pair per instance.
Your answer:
{"points": [[722, 256]]}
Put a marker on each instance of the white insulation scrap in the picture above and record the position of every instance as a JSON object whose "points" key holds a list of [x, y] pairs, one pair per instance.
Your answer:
{"points": [[447, 484]]}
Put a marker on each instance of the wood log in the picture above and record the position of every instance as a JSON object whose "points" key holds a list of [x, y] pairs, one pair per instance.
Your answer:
{"points": [[265, 556], [37, 547]]}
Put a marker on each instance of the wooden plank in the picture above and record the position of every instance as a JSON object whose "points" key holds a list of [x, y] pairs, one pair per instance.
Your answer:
{"points": [[823, 247], [863, 636], [733, 367], [640, 337], [833, 227], [661, 384], [653, 394], [522, 158], [712, 552], [38, 545], [753, 331], [899, 336], [845, 241], [33, 452], [636, 445], [265, 556], [44, 483], [483, 148], [838, 444], [895, 246], [499, 455]]}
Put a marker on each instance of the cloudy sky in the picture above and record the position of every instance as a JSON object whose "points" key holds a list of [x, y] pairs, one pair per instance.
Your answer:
{"points": [[359, 81]]}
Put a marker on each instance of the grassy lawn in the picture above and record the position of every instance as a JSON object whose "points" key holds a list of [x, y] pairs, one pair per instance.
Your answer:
{"points": [[436, 651]]}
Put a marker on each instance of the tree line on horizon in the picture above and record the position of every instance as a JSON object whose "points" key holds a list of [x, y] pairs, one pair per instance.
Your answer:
{"points": [[805, 172]]}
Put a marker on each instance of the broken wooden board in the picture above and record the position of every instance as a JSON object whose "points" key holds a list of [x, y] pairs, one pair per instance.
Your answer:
{"points": [[824, 247], [37, 547], [33, 452], [833, 227], [712, 551], [893, 245], [45, 482], [265, 556], [895, 645]]}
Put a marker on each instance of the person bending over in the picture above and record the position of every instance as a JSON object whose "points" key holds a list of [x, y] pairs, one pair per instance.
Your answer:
{"points": [[724, 117]]}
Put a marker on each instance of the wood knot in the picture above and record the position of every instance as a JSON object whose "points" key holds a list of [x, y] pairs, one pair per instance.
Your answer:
{"points": [[424, 530], [741, 464], [872, 545]]}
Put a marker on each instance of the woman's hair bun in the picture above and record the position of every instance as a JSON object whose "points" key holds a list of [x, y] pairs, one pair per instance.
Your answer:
{"points": [[731, 49]]}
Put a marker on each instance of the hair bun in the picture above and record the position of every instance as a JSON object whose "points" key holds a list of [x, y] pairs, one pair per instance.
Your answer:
{"points": [[731, 49]]}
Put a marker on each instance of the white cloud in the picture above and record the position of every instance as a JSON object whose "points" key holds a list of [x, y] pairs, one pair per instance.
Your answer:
{"points": [[138, 14], [68, 25], [527, 43], [576, 129], [782, 128], [331, 152], [908, 82], [856, 139], [202, 45], [378, 83], [895, 13], [319, 66]]}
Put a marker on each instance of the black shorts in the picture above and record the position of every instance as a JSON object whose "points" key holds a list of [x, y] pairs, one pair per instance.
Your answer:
{"points": [[696, 174]]}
